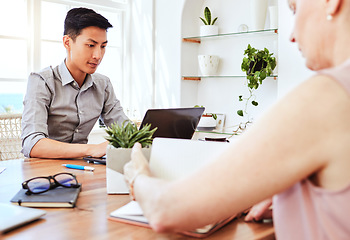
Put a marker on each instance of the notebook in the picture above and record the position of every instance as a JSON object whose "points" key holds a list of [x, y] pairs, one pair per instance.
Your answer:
{"points": [[14, 216], [132, 213], [172, 159], [58, 197]]}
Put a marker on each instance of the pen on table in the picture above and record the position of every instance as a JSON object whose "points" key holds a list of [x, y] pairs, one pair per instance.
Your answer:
{"points": [[78, 167]]}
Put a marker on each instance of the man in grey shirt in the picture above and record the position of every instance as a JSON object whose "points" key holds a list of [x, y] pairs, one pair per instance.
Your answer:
{"points": [[62, 104]]}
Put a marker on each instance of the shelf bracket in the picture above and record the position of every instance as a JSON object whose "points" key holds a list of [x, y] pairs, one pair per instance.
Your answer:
{"points": [[192, 78], [191, 40]]}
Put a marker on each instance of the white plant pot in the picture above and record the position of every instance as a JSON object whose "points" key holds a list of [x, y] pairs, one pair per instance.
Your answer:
{"points": [[258, 14], [207, 30], [116, 159], [206, 123], [208, 64]]}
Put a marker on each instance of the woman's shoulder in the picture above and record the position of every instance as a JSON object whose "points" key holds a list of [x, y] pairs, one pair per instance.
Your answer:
{"points": [[340, 74]]}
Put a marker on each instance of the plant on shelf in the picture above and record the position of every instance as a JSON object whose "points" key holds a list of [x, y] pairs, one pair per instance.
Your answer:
{"points": [[213, 115], [127, 134], [257, 64], [207, 16], [208, 28], [207, 121]]}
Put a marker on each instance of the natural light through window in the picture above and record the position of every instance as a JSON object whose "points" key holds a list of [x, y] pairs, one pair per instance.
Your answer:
{"points": [[31, 34]]}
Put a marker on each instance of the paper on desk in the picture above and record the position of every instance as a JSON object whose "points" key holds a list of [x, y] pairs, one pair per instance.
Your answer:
{"points": [[172, 158], [131, 211], [2, 169]]}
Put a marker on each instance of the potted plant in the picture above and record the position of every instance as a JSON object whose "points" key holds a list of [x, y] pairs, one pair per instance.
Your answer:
{"points": [[121, 140], [207, 121], [208, 28], [258, 64]]}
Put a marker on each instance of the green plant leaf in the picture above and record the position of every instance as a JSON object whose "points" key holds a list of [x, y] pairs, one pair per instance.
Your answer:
{"points": [[258, 65], [207, 15], [127, 134], [205, 23], [214, 21]]}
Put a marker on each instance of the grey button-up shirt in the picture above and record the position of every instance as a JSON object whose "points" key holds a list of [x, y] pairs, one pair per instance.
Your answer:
{"points": [[56, 108]]}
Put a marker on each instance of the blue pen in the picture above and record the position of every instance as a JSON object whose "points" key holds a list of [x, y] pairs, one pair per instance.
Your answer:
{"points": [[78, 167]]}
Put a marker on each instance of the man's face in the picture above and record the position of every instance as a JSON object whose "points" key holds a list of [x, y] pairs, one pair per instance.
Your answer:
{"points": [[87, 51]]}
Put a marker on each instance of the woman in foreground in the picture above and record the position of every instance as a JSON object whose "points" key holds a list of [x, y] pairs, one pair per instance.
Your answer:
{"points": [[298, 152]]}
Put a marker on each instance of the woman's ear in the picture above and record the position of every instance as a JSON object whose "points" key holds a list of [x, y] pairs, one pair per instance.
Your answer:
{"points": [[333, 6], [66, 42]]}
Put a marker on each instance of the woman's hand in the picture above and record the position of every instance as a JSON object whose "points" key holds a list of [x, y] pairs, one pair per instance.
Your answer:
{"points": [[138, 165], [260, 211]]}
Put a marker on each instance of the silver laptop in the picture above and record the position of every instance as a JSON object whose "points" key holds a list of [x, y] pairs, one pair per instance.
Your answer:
{"points": [[12, 216]]}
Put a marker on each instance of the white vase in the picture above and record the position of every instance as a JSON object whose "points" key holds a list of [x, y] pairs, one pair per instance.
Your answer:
{"points": [[273, 12], [208, 64], [116, 158], [258, 14], [207, 30]]}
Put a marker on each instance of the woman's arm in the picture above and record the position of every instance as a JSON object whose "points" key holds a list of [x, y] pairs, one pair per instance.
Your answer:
{"points": [[289, 143]]}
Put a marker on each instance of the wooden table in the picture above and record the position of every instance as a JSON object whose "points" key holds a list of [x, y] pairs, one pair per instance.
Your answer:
{"points": [[88, 220]]}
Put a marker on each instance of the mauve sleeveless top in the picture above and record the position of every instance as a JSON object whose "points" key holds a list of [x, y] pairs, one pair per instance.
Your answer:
{"points": [[306, 211]]}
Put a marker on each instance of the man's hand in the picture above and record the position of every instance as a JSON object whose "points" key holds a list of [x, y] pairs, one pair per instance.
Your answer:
{"points": [[98, 150]]}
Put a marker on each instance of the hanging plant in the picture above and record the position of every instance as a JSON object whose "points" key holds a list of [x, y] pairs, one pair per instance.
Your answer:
{"points": [[257, 64]]}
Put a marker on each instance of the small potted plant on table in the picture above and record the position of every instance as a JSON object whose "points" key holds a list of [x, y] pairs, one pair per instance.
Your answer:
{"points": [[122, 138]]}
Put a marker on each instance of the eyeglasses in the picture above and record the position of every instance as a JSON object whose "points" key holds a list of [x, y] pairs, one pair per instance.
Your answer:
{"points": [[42, 184]]}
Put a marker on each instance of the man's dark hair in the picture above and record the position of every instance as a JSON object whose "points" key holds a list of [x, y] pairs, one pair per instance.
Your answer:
{"points": [[79, 18]]}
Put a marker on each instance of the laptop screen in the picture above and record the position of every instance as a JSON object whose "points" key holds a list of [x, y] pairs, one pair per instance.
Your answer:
{"points": [[173, 122]]}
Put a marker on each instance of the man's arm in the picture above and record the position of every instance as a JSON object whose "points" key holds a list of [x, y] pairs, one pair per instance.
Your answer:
{"points": [[35, 137], [48, 148]]}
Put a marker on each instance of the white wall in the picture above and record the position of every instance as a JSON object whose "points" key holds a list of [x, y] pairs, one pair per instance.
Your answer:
{"points": [[168, 54], [141, 57], [292, 68], [155, 33], [220, 95], [158, 59]]}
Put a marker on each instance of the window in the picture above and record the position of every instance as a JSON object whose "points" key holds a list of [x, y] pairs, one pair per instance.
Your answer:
{"points": [[31, 39]]}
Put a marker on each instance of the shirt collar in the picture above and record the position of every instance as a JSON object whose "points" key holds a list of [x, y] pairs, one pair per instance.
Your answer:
{"points": [[67, 78]]}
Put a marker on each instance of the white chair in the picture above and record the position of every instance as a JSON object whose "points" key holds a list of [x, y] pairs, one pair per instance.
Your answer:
{"points": [[10, 136]]}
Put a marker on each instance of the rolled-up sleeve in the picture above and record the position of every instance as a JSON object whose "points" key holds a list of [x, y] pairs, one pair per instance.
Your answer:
{"points": [[35, 112]]}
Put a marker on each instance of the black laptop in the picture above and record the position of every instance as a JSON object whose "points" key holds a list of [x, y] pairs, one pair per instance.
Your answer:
{"points": [[171, 123]]}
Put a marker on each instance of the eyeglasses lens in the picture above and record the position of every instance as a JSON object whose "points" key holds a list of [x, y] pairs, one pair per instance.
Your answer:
{"points": [[66, 180], [39, 185]]}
